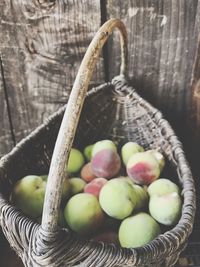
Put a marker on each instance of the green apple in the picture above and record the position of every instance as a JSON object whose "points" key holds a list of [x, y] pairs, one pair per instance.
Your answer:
{"points": [[28, 195], [162, 186], [88, 152], [166, 209], [117, 198], [83, 213], [75, 162], [159, 157], [138, 230], [129, 149], [76, 185]]}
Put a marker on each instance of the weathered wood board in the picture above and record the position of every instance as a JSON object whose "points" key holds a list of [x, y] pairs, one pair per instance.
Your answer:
{"points": [[42, 45], [6, 141], [162, 44]]}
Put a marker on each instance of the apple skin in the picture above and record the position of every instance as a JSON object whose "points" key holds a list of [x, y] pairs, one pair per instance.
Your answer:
{"points": [[75, 162], [76, 185], [88, 152], [138, 230], [83, 214], [129, 149], [143, 168], [166, 209], [159, 157], [117, 198], [103, 144], [162, 186], [141, 194], [28, 195], [95, 186], [106, 163], [87, 173]]}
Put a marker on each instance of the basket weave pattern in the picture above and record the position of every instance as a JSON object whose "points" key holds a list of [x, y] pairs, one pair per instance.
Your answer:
{"points": [[114, 111]]}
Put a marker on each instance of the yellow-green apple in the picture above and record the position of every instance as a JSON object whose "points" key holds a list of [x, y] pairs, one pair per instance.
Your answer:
{"points": [[138, 230], [162, 186], [76, 185], [88, 152], [28, 195], [160, 158], [83, 213], [166, 209], [75, 162], [117, 198], [129, 149]]}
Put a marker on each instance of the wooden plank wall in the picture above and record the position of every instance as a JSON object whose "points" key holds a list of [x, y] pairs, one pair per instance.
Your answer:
{"points": [[43, 42], [5, 129]]}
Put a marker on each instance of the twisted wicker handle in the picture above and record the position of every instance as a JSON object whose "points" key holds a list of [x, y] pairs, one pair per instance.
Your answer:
{"points": [[71, 118]]}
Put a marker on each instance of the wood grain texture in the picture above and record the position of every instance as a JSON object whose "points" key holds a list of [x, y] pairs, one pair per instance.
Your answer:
{"points": [[43, 43], [162, 39], [6, 141]]}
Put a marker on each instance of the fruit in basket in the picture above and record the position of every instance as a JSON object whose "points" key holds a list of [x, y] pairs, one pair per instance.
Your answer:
{"points": [[65, 188], [143, 168], [87, 173], [103, 144], [127, 179], [75, 162], [165, 209], [158, 156], [83, 213], [117, 198], [129, 149], [88, 152], [138, 230], [141, 197], [94, 187], [28, 195], [162, 186], [76, 185], [106, 163], [140, 193]]}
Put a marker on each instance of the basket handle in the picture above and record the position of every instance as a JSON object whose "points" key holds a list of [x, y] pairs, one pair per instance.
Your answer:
{"points": [[71, 117]]}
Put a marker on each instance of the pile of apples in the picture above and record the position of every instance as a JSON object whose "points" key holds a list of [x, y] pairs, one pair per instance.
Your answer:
{"points": [[113, 197]]}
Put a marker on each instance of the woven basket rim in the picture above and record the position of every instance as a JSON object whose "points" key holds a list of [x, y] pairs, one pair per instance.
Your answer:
{"points": [[171, 237]]}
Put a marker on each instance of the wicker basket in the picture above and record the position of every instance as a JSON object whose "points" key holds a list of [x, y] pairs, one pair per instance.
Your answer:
{"points": [[115, 111]]}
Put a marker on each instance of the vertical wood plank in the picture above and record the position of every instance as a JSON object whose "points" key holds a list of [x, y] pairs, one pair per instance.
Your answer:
{"points": [[6, 141], [42, 45], [162, 42]]}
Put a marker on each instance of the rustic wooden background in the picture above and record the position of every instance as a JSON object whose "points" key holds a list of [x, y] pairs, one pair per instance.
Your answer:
{"points": [[42, 43]]}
